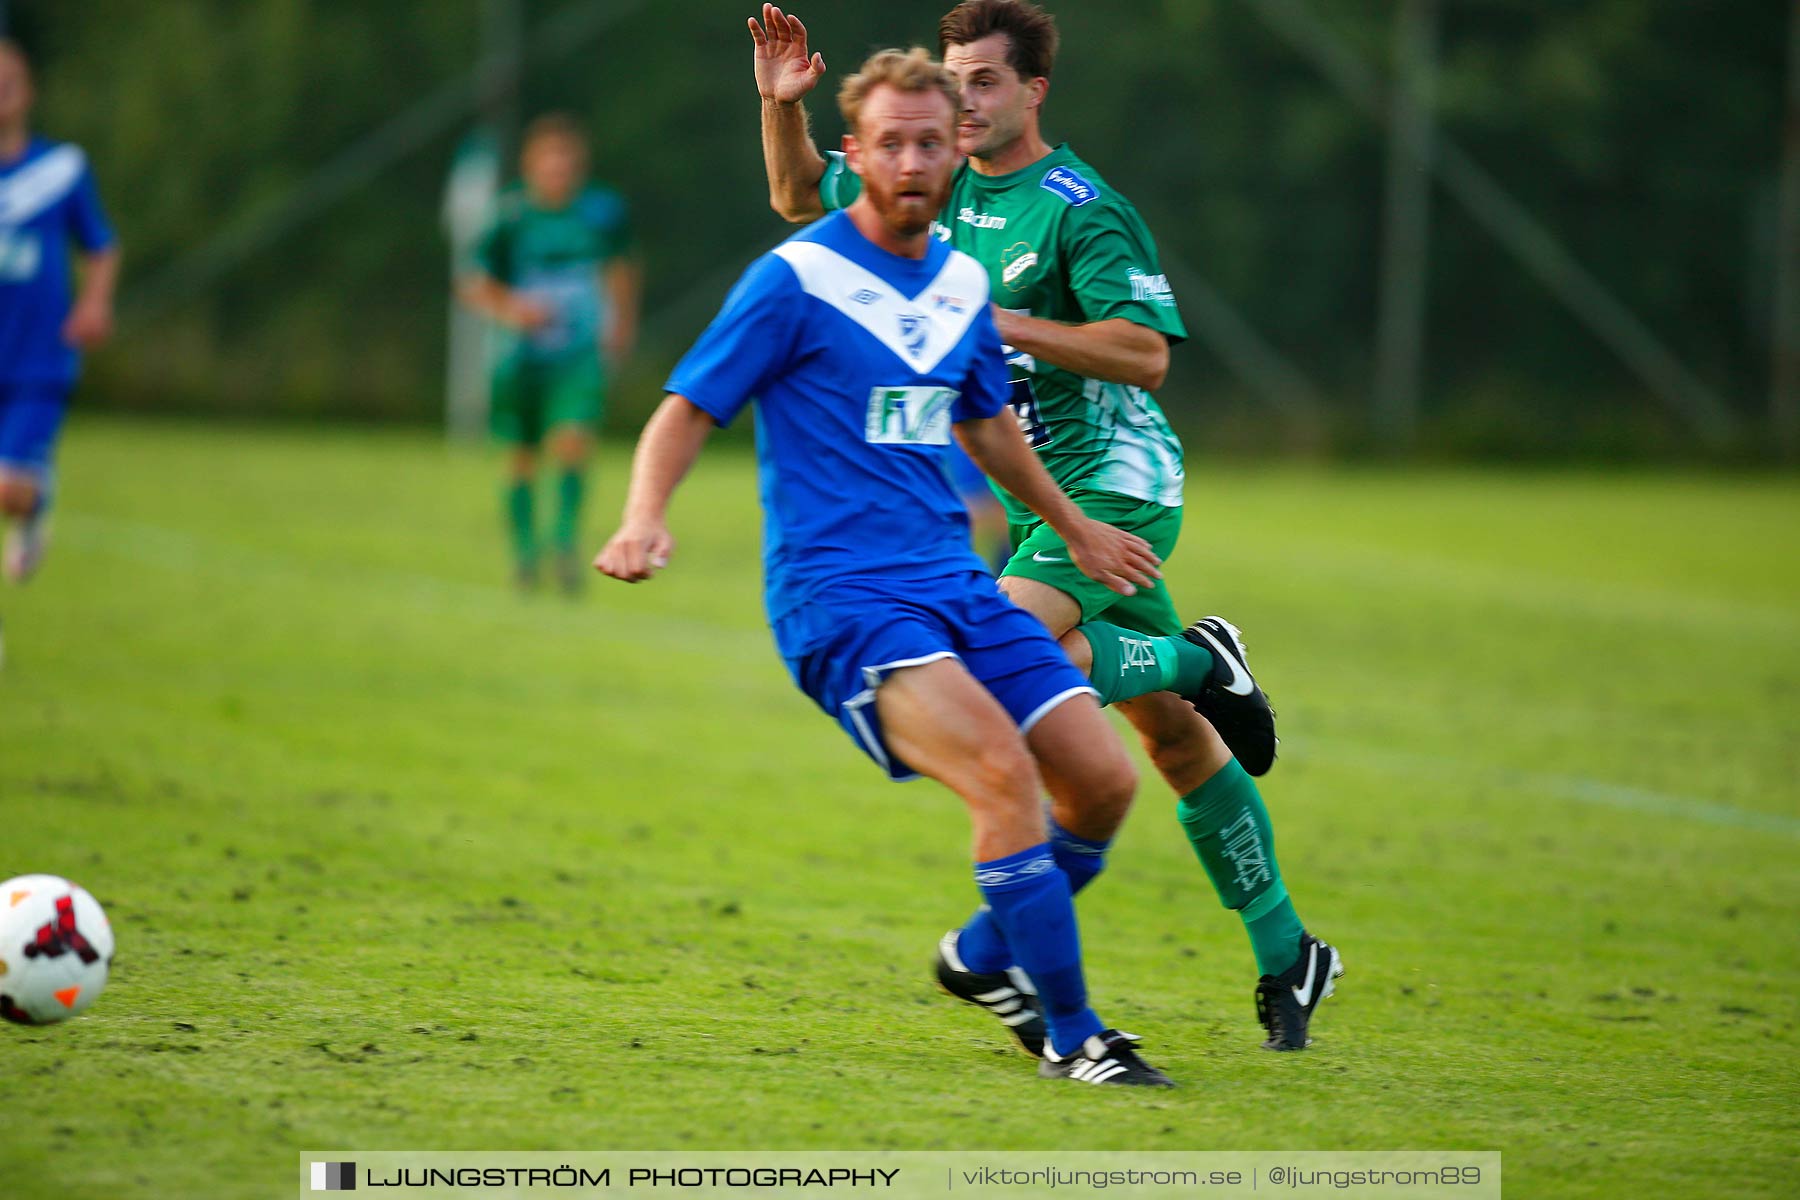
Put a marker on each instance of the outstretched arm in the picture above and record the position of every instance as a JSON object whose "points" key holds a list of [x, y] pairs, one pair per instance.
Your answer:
{"points": [[785, 72], [1122, 561], [1116, 350], [666, 451]]}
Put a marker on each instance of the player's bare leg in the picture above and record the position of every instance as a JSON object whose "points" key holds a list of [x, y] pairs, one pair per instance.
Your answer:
{"points": [[1090, 778], [945, 725], [570, 446], [27, 534]]}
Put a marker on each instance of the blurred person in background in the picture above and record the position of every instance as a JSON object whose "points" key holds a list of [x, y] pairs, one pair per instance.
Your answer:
{"points": [[556, 270], [49, 213]]}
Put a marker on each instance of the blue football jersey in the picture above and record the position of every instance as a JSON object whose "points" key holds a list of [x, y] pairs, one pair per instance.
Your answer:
{"points": [[860, 361], [47, 202]]}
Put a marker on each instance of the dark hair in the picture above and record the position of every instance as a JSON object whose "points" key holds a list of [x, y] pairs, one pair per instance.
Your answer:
{"points": [[1030, 31]]}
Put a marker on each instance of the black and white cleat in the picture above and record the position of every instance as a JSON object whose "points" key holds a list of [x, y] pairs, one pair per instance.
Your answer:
{"points": [[1108, 1057], [1007, 995], [1230, 699], [1285, 1002]]}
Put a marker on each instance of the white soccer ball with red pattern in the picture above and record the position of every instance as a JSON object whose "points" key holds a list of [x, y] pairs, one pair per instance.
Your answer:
{"points": [[55, 949]]}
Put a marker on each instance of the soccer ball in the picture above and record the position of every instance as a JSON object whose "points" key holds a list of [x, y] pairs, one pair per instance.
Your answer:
{"points": [[55, 948]]}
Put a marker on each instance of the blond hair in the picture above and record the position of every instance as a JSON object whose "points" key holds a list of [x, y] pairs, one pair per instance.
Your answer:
{"points": [[904, 70]]}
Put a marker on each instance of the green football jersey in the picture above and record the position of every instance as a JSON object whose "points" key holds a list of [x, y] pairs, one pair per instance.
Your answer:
{"points": [[1060, 244], [554, 257]]}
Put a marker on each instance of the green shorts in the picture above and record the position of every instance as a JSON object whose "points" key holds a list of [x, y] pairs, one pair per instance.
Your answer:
{"points": [[1038, 553], [531, 398]]}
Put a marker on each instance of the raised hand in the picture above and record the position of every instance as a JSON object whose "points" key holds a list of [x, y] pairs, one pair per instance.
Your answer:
{"points": [[785, 69]]}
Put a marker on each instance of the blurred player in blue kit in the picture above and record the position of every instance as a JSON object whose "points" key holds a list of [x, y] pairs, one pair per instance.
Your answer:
{"points": [[49, 213], [867, 344]]}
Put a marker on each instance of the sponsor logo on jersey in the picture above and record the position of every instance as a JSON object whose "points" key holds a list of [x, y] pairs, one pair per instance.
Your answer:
{"points": [[1152, 288], [20, 255], [1015, 261], [909, 416], [1061, 181], [969, 216], [955, 304], [940, 231]]}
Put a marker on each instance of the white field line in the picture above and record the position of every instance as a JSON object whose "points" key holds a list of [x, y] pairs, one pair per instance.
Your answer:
{"points": [[1580, 789]]}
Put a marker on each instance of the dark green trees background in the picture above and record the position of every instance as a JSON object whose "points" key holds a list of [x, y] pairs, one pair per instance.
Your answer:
{"points": [[271, 275]]}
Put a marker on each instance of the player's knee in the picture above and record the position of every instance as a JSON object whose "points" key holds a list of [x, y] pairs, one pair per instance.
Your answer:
{"points": [[17, 497], [1004, 771], [1079, 650], [1110, 791], [569, 448]]}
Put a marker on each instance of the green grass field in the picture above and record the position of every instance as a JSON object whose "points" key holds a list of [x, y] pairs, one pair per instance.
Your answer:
{"points": [[398, 859]]}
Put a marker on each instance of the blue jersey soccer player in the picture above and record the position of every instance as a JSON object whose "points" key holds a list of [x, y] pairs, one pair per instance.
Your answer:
{"points": [[865, 343], [48, 206], [1089, 316]]}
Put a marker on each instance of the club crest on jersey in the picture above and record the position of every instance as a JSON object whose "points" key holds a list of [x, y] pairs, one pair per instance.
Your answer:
{"points": [[1061, 181], [1015, 262], [914, 331]]}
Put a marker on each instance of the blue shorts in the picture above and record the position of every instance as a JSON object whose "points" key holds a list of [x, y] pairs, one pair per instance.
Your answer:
{"points": [[858, 632], [31, 415]]}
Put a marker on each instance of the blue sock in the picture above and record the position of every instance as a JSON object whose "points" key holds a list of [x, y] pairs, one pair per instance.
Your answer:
{"points": [[1080, 858], [982, 946], [1028, 896]]}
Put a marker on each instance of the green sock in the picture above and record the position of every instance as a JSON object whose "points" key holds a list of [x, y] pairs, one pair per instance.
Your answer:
{"points": [[1229, 827], [570, 488], [1128, 664], [519, 521]]}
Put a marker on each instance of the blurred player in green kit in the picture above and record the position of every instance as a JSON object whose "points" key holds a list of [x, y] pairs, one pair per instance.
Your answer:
{"points": [[556, 271]]}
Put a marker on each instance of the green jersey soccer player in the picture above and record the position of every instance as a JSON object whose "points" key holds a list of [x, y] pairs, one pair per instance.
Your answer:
{"points": [[554, 270], [1088, 318]]}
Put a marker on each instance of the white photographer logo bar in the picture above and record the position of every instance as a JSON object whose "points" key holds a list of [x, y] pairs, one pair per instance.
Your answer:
{"points": [[334, 1177]]}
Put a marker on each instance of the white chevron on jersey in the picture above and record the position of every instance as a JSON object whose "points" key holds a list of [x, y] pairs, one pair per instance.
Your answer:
{"points": [[33, 188], [920, 331]]}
